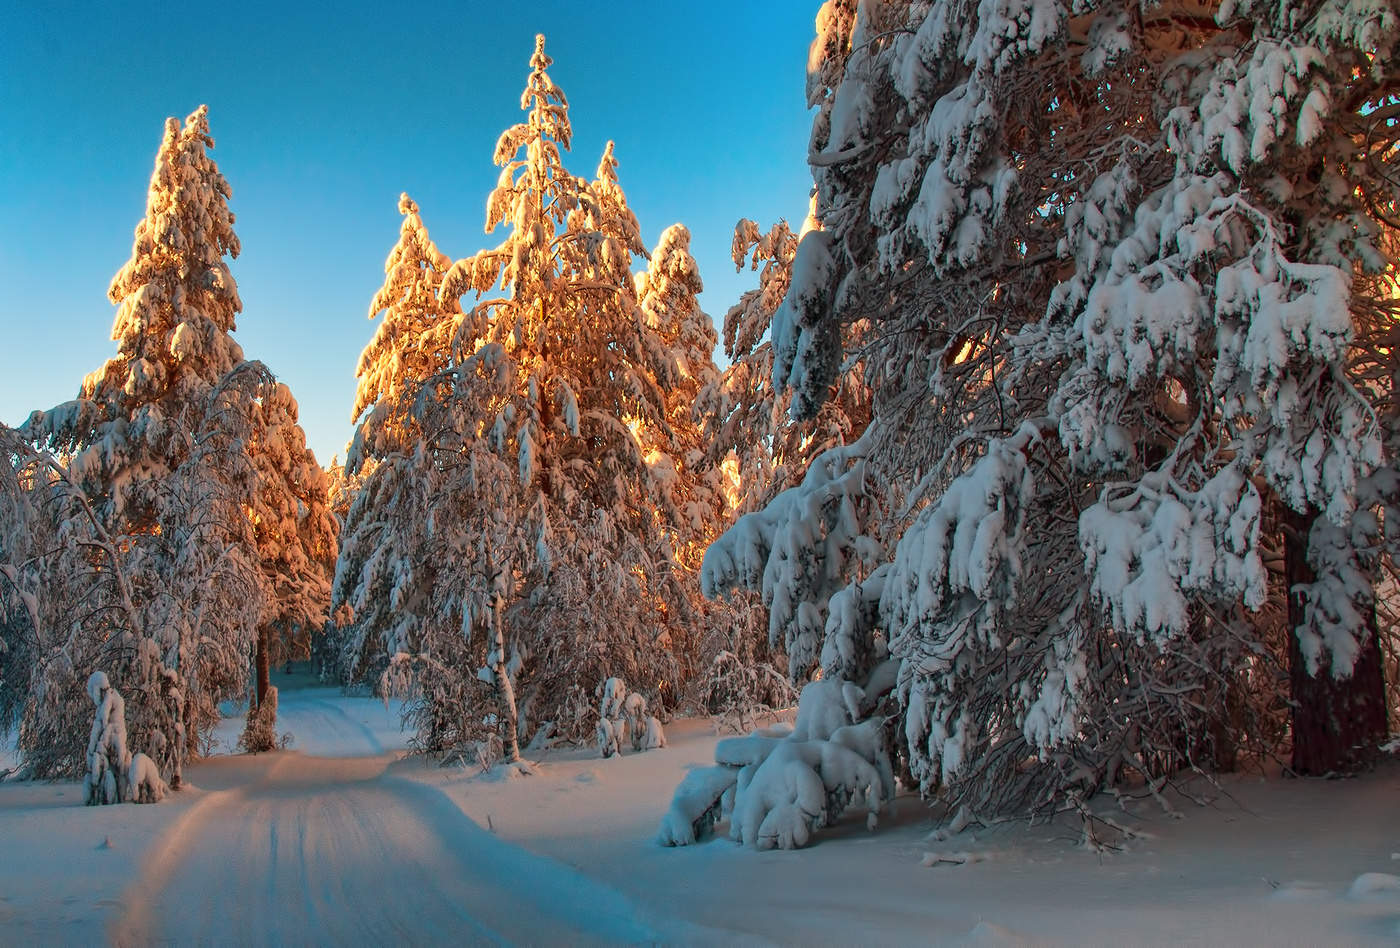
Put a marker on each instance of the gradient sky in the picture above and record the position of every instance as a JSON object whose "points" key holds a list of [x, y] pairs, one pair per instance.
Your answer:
{"points": [[323, 114]]}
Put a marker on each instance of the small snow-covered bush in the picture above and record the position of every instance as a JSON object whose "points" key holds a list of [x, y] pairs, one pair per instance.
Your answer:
{"points": [[696, 806], [623, 717], [612, 726], [609, 738], [143, 781], [260, 734], [777, 789], [107, 756], [648, 735]]}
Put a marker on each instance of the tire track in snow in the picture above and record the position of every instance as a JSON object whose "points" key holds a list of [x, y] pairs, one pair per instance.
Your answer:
{"points": [[335, 851]]}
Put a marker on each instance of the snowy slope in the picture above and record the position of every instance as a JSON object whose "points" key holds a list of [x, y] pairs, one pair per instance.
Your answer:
{"points": [[370, 847]]}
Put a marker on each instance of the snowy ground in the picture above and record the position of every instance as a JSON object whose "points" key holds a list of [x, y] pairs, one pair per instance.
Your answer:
{"points": [[341, 840]]}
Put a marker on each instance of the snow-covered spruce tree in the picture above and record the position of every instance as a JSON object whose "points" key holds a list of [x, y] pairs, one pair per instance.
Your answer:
{"points": [[152, 440], [555, 385], [382, 587], [1178, 266], [1234, 298], [413, 341], [293, 531], [668, 292], [700, 487]]}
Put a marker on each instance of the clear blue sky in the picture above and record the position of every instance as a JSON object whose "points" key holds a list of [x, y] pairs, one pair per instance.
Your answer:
{"points": [[323, 114]]}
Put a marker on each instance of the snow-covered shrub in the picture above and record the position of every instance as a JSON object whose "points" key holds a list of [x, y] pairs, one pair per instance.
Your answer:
{"points": [[645, 729], [143, 781], [610, 736], [109, 761], [778, 790], [697, 805], [736, 694], [260, 733], [612, 720], [647, 733], [623, 718]]}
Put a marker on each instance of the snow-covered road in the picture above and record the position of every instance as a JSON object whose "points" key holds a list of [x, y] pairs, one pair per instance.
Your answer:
{"points": [[338, 849]]}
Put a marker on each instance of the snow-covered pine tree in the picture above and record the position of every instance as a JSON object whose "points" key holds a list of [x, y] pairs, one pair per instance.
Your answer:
{"points": [[1234, 297], [701, 488], [172, 440], [1136, 296], [555, 384], [287, 503], [668, 292], [383, 584], [413, 341], [133, 439]]}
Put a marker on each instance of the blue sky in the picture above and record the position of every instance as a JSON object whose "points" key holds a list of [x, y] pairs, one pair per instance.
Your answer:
{"points": [[323, 114]]}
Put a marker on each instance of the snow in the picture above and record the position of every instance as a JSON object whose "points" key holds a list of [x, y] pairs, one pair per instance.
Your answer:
{"points": [[368, 846], [323, 723]]}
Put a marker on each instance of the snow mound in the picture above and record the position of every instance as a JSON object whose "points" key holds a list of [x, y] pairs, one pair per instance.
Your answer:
{"points": [[1375, 887]]}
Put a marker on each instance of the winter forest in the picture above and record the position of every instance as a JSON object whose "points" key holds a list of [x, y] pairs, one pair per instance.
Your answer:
{"points": [[1045, 483]]}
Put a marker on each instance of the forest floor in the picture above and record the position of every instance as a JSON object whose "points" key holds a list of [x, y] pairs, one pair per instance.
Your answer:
{"points": [[343, 839]]}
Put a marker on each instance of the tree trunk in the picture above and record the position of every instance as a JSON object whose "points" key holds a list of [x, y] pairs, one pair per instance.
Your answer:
{"points": [[262, 667], [1337, 723], [505, 691]]}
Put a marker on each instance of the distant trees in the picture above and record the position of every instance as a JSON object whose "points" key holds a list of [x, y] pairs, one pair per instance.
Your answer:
{"points": [[187, 465]]}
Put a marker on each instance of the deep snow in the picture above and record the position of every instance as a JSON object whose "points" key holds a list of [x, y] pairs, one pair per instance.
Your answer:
{"points": [[343, 840]]}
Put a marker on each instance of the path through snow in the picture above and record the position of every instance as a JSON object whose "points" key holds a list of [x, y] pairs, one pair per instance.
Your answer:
{"points": [[343, 852], [330, 844]]}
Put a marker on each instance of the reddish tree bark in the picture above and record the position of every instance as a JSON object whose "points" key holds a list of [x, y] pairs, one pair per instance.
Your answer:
{"points": [[1338, 723], [262, 666]]}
